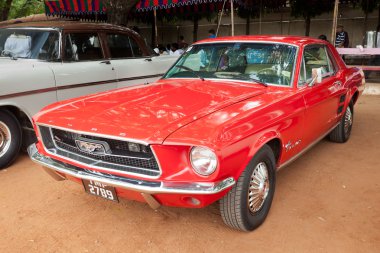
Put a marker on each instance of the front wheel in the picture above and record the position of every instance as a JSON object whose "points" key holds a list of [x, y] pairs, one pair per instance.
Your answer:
{"points": [[10, 138], [342, 132], [247, 204]]}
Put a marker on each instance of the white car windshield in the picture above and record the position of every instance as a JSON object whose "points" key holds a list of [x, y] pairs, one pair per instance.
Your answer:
{"points": [[269, 63], [29, 44]]}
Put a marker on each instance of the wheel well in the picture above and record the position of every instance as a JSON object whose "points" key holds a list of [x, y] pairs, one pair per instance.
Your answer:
{"points": [[21, 116], [275, 145], [355, 97]]}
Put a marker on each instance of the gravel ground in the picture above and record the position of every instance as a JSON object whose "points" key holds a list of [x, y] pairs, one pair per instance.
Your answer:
{"points": [[326, 201]]}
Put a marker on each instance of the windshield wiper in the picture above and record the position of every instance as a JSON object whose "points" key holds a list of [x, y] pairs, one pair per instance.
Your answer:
{"points": [[258, 82], [189, 69]]}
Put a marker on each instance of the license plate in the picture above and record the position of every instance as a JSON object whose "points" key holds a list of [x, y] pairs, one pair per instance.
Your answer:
{"points": [[100, 189]]}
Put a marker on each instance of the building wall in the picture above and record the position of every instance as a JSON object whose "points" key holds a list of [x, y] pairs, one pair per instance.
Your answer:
{"points": [[352, 19]]}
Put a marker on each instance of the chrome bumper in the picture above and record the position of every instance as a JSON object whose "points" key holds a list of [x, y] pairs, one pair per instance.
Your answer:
{"points": [[148, 187]]}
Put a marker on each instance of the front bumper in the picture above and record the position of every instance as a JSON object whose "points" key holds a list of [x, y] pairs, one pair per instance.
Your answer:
{"points": [[146, 188]]}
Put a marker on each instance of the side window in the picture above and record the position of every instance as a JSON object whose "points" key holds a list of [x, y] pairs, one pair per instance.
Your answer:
{"points": [[302, 80], [83, 47], [135, 48], [315, 56], [119, 46], [50, 49], [332, 62], [123, 46]]}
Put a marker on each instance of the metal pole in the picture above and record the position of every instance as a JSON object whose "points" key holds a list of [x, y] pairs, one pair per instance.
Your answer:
{"points": [[335, 22], [232, 19], [155, 28], [261, 4], [220, 18]]}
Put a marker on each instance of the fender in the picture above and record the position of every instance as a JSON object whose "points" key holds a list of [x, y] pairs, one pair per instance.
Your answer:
{"points": [[264, 138], [18, 107]]}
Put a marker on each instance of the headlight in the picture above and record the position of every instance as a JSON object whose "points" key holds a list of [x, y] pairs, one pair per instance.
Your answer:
{"points": [[203, 160]]}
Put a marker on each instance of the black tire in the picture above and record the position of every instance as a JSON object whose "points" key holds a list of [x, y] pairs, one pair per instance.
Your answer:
{"points": [[342, 132], [234, 206], [9, 127]]}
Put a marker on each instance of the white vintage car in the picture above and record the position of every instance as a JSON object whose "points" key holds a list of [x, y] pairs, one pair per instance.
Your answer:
{"points": [[45, 62]]}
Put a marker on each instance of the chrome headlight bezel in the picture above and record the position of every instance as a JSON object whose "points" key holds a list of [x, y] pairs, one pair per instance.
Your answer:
{"points": [[209, 163]]}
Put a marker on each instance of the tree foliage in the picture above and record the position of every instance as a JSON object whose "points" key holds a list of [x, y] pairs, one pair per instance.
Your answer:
{"points": [[5, 6], [11, 9], [118, 10], [309, 9], [252, 8]]}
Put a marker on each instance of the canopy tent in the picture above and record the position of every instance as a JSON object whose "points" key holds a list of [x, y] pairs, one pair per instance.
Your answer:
{"points": [[77, 9], [187, 8]]}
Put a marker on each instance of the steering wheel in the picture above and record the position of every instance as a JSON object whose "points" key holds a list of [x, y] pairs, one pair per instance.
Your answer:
{"points": [[226, 74], [267, 71], [311, 56]]}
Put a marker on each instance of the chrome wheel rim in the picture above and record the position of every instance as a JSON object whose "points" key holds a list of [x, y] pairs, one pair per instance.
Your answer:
{"points": [[347, 120], [5, 138], [258, 187]]}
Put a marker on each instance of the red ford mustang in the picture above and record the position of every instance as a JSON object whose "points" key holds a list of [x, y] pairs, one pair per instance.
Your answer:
{"points": [[217, 126]]}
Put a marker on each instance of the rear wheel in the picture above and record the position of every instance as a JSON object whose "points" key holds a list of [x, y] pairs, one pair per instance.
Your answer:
{"points": [[342, 132], [10, 138], [247, 204]]}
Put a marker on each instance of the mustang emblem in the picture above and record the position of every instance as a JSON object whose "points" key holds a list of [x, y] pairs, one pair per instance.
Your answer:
{"points": [[92, 146]]}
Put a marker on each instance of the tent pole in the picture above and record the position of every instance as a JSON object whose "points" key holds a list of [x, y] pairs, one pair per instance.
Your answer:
{"points": [[335, 22], [220, 18], [232, 19], [261, 4], [155, 28]]}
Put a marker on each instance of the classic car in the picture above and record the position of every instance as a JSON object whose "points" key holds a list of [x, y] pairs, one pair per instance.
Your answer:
{"points": [[45, 62], [218, 125]]}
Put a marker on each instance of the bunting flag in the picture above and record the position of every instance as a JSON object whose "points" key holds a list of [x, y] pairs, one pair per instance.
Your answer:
{"points": [[147, 5], [84, 9]]}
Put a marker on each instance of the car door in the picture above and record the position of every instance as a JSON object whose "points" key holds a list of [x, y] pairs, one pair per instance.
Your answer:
{"points": [[321, 99], [131, 63], [84, 69]]}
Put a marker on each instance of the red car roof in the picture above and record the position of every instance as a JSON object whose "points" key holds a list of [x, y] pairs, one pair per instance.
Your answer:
{"points": [[296, 40]]}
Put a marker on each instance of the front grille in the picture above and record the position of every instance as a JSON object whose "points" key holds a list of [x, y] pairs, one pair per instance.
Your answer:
{"points": [[118, 157]]}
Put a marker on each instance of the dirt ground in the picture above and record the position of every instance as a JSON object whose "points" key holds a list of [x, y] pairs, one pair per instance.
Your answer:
{"points": [[326, 201]]}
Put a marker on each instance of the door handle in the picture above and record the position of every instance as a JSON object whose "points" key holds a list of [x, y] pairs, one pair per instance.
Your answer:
{"points": [[105, 62], [338, 83], [148, 59]]}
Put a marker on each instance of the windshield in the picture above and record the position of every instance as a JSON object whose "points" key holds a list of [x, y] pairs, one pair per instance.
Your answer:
{"points": [[270, 63], [29, 44]]}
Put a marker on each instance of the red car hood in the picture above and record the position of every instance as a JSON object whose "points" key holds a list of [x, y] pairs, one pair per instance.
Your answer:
{"points": [[147, 113]]}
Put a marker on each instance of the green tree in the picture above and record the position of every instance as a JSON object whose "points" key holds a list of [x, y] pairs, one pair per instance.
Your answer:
{"points": [[5, 6], [309, 9], [253, 8], [118, 10], [22, 8], [369, 6]]}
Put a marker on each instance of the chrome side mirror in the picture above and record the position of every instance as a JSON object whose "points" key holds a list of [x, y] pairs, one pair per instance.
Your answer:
{"points": [[316, 76]]}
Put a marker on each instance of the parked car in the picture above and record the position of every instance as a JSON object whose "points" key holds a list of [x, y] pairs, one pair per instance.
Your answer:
{"points": [[45, 62], [217, 126]]}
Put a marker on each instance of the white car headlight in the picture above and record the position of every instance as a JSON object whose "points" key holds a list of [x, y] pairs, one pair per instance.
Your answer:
{"points": [[203, 160]]}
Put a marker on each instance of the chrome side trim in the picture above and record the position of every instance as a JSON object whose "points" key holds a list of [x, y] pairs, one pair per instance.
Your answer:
{"points": [[142, 186], [306, 149]]}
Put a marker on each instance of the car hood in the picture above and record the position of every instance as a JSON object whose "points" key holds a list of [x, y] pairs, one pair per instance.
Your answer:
{"points": [[147, 113]]}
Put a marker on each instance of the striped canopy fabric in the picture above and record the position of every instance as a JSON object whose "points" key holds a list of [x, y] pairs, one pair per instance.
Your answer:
{"points": [[74, 8]]}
